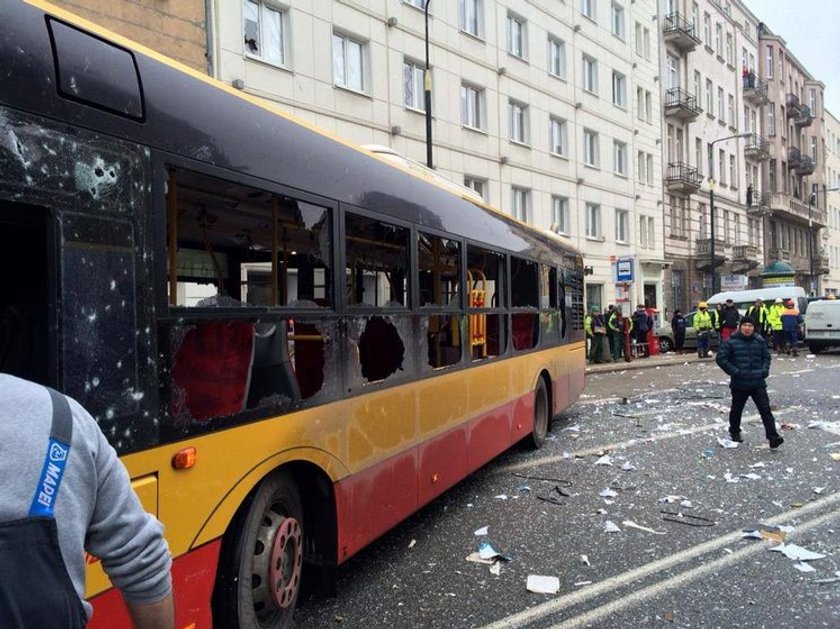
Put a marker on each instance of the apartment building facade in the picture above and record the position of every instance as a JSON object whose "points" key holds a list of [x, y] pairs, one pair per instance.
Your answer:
{"points": [[830, 238], [549, 110], [714, 148], [795, 119]]}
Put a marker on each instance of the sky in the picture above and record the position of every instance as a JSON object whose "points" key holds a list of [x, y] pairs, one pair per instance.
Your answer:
{"points": [[811, 29]]}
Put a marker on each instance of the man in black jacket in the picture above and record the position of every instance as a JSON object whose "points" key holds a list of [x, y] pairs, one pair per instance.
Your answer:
{"points": [[746, 358]]}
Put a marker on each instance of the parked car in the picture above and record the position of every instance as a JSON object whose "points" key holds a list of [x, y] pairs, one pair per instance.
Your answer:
{"points": [[666, 335], [822, 322]]}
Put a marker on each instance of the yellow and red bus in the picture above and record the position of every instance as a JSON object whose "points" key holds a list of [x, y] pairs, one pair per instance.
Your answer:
{"points": [[293, 343]]}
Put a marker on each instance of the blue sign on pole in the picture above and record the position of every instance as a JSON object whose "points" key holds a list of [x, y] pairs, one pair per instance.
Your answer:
{"points": [[624, 270]]}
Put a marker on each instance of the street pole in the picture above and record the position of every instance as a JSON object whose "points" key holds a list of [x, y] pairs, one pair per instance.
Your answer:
{"points": [[712, 233], [811, 287], [427, 88]]}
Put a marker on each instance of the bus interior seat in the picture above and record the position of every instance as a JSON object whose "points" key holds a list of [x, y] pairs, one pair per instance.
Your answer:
{"points": [[310, 361], [271, 371]]}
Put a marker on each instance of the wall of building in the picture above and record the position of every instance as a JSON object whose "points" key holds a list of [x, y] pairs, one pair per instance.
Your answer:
{"points": [[830, 237]]}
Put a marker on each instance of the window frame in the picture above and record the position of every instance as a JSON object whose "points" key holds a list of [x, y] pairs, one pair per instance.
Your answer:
{"points": [[363, 70], [262, 8], [479, 103]]}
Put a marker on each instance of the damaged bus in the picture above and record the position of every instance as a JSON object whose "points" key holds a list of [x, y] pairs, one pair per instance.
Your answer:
{"points": [[292, 342]]}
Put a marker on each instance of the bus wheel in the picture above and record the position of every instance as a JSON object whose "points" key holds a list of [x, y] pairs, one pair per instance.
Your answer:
{"points": [[541, 415], [268, 557]]}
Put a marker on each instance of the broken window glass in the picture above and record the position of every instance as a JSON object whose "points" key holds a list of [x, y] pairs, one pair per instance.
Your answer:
{"points": [[379, 348], [377, 262], [439, 261], [443, 339], [486, 272], [549, 311], [249, 246], [524, 296]]}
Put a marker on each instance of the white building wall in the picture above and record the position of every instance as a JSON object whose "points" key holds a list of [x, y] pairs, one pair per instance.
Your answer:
{"points": [[831, 234], [393, 30]]}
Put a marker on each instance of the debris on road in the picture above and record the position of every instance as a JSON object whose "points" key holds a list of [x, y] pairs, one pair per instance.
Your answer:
{"points": [[553, 496], [604, 460], [727, 443], [610, 527], [627, 467], [540, 584], [412, 543], [585, 560], [797, 553], [482, 531], [684, 518], [767, 531], [833, 579], [647, 529]]}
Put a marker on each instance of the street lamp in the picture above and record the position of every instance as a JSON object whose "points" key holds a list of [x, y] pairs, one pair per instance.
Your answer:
{"points": [[812, 200], [427, 89], [712, 203]]}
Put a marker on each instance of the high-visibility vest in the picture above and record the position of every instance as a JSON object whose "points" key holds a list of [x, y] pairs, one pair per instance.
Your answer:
{"points": [[587, 325], [702, 320], [774, 316], [760, 316]]}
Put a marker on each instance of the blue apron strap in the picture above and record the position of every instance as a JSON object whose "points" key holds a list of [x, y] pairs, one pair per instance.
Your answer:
{"points": [[61, 434]]}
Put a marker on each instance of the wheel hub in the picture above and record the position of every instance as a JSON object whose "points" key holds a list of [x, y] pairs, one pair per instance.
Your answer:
{"points": [[286, 561]]}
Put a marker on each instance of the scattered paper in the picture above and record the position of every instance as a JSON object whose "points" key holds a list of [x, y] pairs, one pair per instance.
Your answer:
{"points": [[804, 567], [610, 527], [608, 493], [542, 584], [633, 525], [819, 490], [604, 460], [476, 558], [501, 497], [670, 499], [751, 476], [835, 456], [496, 568], [797, 553], [412, 543], [729, 478], [628, 467], [482, 531], [486, 550], [584, 560], [759, 464], [727, 443]]}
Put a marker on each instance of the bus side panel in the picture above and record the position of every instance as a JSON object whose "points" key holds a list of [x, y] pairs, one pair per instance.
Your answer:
{"points": [[373, 501], [193, 576], [484, 436], [575, 360], [523, 417], [443, 463]]}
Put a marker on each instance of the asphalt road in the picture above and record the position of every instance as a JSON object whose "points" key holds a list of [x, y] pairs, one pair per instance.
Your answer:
{"points": [[664, 422]]}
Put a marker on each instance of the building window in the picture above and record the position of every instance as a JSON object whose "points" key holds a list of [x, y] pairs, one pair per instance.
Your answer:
{"points": [[707, 30], [721, 105], [348, 62], [593, 220], [622, 226], [647, 43], [812, 101], [479, 185], [560, 214], [731, 110], [518, 122], [590, 74], [556, 57], [414, 95], [733, 179], [641, 164], [650, 169], [619, 89], [698, 87], [638, 38], [590, 148], [710, 98], [557, 137], [472, 107], [722, 166], [617, 20], [265, 35], [698, 155], [472, 17], [587, 8], [620, 158], [420, 4], [719, 40], [814, 148], [730, 54], [769, 73], [771, 119], [517, 42], [519, 203], [672, 68]]}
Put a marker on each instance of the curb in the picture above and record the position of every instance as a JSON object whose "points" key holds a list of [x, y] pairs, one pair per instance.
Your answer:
{"points": [[647, 363]]}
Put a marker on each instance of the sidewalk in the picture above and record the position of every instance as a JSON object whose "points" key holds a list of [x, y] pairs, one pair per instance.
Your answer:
{"points": [[662, 360]]}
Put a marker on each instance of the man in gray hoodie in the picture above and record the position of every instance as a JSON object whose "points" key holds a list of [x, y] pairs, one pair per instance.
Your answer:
{"points": [[63, 491]]}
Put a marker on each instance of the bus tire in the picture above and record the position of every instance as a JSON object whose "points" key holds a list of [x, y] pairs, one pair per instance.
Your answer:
{"points": [[541, 415], [260, 581]]}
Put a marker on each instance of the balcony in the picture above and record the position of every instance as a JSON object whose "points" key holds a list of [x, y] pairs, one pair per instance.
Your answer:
{"points": [[704, 253], [759, 204], [680, 33], [681, 177], [805, 166], [755, 91], [757, 148], [823, 265], [788, 207], [805, 117], [794, 156], [779, 254], [681, 105], [744, 257], [792, 105]]}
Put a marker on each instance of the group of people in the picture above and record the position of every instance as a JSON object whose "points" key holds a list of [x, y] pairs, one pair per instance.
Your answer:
{"points": [[619, 332]]}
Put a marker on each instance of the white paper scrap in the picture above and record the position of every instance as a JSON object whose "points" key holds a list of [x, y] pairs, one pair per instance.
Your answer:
{"points": [[628, 467], [804, 567], [610, 527], [608, 493], [412, 543], [496, 568], [476, 558], [482, 531], [604, 460], [633, 525], [543, 585], [726, 443], [584, 559], [797, 553], [751, 476]]}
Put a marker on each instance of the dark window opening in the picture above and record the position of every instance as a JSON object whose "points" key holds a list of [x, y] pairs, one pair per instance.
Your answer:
{"points": [[377, 262], [550, 312], [525, 283], [443, 336], [240, 246], [486, 272], [439, 270], [24, 300], [381, 349]]}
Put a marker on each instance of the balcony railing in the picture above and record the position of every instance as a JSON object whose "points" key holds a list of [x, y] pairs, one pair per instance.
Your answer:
{"points": [[746, 256], [792, 105], [758, 203], [779, 254], [794, 208], [681, 104], [757, 147], [794, 156], [805, 118], [755, 90], [704, 252], [679, 32], [805, 166], [681, 177], [823, 265]]}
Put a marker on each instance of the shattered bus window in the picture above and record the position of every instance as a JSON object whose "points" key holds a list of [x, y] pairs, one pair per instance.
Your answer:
{"points": [[379, 348], [524, 283], [377, 262], [443, 339], [439, 261], [549, 306], [485, 302]]}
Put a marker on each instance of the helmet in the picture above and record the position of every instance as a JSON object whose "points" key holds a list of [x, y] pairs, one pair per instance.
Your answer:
{"points": [[779, 300], [702, 304]]}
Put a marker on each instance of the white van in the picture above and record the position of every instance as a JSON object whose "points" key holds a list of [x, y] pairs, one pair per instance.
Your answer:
{"points": [[746, 298], [822, 322]]}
